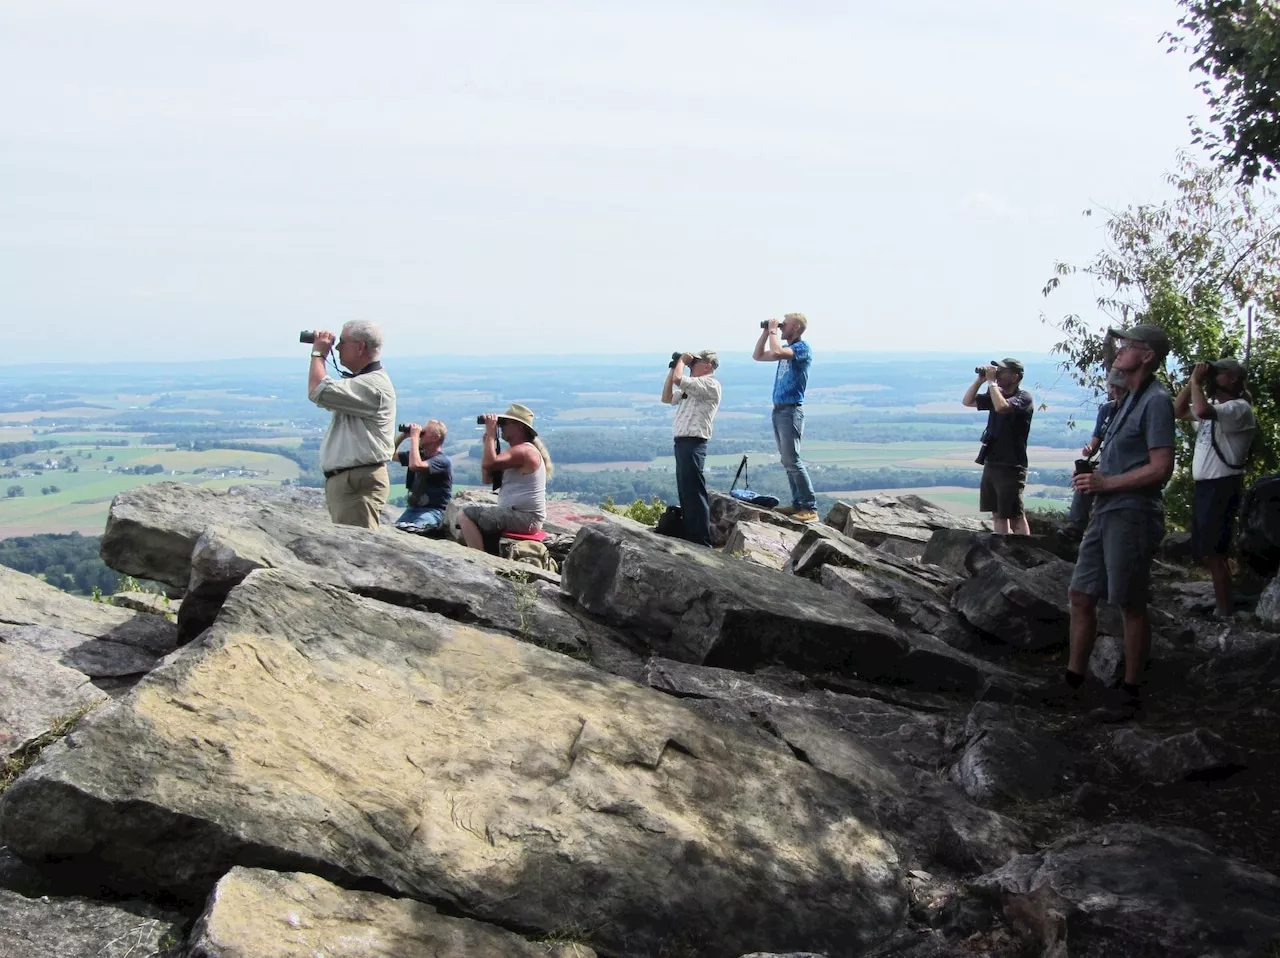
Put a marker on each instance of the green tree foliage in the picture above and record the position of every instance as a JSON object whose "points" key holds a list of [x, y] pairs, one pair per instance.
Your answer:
{"points": [[10, 449], [647, 513], [1205, 267], [1236, 44], [14, 491], [70, 562]]}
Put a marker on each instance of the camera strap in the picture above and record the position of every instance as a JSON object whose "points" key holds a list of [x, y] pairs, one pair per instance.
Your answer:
{"points": [[742, 471], [1213, 441], [1122, 415]]}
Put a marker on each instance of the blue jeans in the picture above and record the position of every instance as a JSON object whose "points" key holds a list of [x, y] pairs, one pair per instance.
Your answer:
{"points": [[1081, 507], [788, 427], [420, 520], [691, 455]]}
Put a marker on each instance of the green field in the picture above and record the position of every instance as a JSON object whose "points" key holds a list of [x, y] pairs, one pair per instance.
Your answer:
{"points": [[83, 497], [958, 499], [875, 455]]}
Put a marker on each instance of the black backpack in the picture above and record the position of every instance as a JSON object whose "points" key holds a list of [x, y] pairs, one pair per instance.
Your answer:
{"points": [[1258, 538], [671, 523]]}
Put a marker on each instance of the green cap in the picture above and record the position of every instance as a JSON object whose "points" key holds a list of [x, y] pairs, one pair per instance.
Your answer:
{"points": [[1148, 333], [1013, 365], [1229, 365]]}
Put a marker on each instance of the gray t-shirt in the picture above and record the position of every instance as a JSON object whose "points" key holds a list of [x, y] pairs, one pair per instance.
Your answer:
{"points": [[1132, 435]]}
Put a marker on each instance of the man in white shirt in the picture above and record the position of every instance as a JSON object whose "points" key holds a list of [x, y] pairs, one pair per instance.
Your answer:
{"points": [[1215, 399], [695, 392]]}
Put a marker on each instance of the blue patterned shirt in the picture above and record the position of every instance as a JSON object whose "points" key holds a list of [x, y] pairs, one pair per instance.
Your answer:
{"points": [[793, 376]]}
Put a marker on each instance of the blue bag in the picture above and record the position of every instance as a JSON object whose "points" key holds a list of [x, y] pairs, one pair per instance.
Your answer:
{"points": [[745, 494]]}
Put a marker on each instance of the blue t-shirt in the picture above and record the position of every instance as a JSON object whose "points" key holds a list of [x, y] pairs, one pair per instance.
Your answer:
{"points": [[792, 376], [1105, 412], [431, 489], [1127, 445]]}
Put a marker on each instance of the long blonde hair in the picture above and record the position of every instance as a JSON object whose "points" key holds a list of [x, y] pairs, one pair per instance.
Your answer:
{"points": [[541, 446]]}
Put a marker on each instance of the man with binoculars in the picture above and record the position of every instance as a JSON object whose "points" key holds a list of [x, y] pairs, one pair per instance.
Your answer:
{"points": [[1215, 399], [789, 383], [1003, 455], [361, 435], [695, 392]]}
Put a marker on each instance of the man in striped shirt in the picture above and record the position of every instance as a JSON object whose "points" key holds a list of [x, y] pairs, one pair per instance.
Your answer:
{"points": [[693, 389]]}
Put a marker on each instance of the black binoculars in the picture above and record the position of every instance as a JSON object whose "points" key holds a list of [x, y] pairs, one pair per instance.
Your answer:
{"points": [[764, 324], [405, 426], [479, 420], [307, 336], [982, 370], [1085, 465]]}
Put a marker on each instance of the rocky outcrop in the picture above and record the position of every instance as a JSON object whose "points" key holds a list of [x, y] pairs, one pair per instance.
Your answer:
{"points": [[905, 518], [244, 533], [1004, 760], [1024, 608], [369, 743], [255, 913], [39, 696], [82, 928], [26, 601], [697, 606], [727, 512], [762, 543], [1135, 890], [1197, 754]]}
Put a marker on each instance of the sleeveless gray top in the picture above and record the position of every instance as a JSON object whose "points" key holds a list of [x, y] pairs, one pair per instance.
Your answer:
{"points": [[527, 493]]}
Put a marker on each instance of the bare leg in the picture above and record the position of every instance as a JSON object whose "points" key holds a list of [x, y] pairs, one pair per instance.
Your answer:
{"points": [[1084, 631], [1020, 526], [1221, 573], [471, 532], [1137, 636], [1000, 524]]}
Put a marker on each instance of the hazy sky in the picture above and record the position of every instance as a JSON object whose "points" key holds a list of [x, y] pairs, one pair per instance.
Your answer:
{"points": [[186, 179]]}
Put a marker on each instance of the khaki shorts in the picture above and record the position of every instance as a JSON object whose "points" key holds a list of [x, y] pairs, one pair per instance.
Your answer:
{"points": [[1001, 491], [356, 497]]}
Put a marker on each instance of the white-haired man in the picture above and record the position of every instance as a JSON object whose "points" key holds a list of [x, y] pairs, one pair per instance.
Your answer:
{"points": [[361, 435]]}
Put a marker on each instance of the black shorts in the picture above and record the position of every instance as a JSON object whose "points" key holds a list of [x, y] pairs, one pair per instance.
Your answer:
{"points": [[1001, 490], [1213, 515]]}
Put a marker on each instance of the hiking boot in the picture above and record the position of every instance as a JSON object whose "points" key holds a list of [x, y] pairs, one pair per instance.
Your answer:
{"points": [[1117, 706], [1059, 695], [805, 515], [787, 510]]}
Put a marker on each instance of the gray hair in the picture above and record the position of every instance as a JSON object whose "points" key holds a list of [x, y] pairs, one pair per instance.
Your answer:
{"points": [[363, 331]]}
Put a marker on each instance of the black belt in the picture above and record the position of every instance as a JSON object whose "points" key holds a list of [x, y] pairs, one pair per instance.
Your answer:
{"points": [[787, 405], [330, 473]]}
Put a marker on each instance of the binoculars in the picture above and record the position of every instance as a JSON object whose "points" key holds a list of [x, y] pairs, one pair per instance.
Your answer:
{"points": [[307, 336], [479, 420], [764, 324], [1084, 465], [982, 370]]}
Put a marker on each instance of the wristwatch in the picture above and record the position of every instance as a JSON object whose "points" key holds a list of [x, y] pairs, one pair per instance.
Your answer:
{"points": [[316, 354]]}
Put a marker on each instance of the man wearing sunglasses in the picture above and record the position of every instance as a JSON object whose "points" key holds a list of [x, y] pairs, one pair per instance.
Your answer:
{"points": [[361, 435], [1127, 524], [693, 389]]}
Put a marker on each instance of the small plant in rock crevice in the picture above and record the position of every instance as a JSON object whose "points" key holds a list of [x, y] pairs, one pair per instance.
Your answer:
{"points": [[25, 757]]}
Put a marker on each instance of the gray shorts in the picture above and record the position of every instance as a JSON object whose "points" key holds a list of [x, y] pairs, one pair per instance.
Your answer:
{"points": [[495, 520], [1000, 492], [1115, 556]]}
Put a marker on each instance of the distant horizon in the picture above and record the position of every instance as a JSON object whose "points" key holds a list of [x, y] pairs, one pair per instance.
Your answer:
{"points": [[510, 359]]}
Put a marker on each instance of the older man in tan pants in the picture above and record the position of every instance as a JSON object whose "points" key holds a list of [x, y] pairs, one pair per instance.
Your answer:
{"points": [[361, 435]]}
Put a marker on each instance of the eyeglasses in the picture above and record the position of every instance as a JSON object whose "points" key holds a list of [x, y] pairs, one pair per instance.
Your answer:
{"points": [[1130, 344]]}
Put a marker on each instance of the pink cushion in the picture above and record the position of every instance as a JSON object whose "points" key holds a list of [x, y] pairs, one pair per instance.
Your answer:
{"points": [[526, 536]]}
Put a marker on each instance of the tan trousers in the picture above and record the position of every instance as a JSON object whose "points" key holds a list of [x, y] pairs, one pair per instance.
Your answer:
{"points": [[356, 497]]}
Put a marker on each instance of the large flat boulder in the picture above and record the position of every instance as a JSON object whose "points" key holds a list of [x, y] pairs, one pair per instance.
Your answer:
{"points": [[257, 913], [887, 517], [763, 543], [695, 605], [726, 512], [370, 743], [1130, 889], [96, 658], [45, 927], [39, 696], [1025, 608], [26, 600], [882, 749], [241, 533]]}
